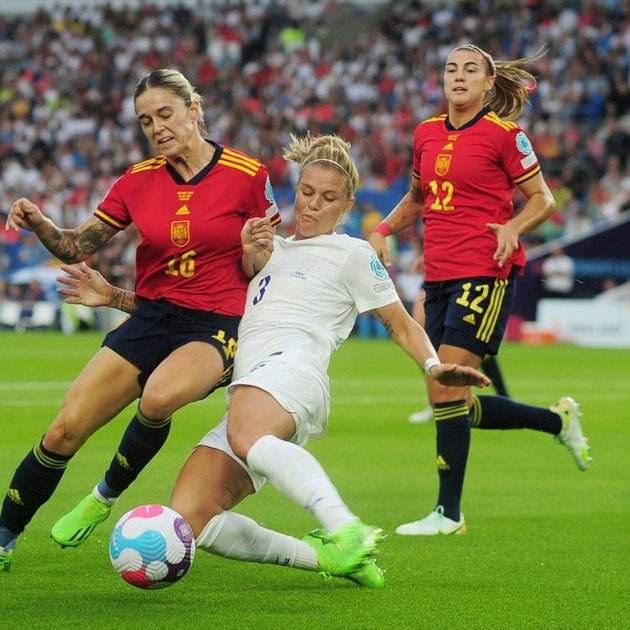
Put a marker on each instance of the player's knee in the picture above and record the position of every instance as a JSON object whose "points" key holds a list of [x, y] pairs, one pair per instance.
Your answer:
{"points": [[239, 439], [157, 403], [442, 394], [67, 433]]}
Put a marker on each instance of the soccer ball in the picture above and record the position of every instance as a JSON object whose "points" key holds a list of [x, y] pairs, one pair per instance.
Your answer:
{"points": [[152, 546]]}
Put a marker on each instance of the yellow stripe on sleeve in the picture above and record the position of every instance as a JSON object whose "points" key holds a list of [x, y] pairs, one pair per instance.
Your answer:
{"points": [[107, 219]]}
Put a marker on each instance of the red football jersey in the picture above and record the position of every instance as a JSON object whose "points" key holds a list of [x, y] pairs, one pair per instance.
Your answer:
{"points": [[190, 250], [468, 177]]}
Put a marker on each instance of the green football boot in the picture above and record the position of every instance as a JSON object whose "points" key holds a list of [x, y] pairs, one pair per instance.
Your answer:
{"points": [[368, 575], [74, 528], [343, 552], [6, 556]]}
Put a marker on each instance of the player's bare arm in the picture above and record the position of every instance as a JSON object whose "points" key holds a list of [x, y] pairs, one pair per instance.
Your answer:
{"points": [[123, 300], [83, 285], [70, 246], [538, 208], [405, 213], [412, 338], [257, 240], [76, 245]]}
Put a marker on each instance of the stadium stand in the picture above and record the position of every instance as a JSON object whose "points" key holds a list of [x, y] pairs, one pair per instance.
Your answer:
{"points": [[267, 68]]}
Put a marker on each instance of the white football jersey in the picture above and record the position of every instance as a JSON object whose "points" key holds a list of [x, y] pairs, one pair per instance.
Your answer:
{"points": [[304, 302]]}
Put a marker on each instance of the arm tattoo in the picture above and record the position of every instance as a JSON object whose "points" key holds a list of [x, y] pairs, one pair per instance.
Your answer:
{"points": [[72, 246], [123, 300], [385, 322], [416, 193]]}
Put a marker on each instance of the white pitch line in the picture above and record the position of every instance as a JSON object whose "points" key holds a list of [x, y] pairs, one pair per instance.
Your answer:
{"points": [[37, 385]]}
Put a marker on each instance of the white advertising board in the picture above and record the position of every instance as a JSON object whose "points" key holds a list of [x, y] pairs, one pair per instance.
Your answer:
{"points": [[594, 323]]}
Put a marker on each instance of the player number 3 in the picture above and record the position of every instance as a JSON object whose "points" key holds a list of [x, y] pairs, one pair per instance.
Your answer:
{"points": [[262, 287]]}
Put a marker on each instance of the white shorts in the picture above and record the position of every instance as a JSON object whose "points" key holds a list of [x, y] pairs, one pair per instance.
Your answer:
{"points": [[296, 391], [300, 392], [217, 438]]}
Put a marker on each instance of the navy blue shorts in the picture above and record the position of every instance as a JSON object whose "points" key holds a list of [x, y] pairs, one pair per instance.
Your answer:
{"points": [[158, 327], [470, 313]]}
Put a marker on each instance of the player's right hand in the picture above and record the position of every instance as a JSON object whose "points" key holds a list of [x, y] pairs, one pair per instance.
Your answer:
{"points": [[24, 214], [379, 243]]}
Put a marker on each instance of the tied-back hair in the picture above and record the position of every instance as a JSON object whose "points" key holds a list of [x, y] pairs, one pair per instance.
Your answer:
{"points": [[329, 149], [513, 84], [176, 83]]}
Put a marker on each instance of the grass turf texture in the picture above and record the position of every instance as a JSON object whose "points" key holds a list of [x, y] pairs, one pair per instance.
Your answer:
{"points": [[547, 545]]}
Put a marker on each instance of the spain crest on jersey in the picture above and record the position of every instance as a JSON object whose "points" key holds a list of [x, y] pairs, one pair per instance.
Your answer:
{"points": [[180, 233], [442, 164]]}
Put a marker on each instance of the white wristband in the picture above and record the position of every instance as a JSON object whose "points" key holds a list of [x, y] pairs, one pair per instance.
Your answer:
{"points": [[429, 363]]}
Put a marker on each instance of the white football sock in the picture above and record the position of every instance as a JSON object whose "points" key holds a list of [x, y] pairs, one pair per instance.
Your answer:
{"points": [[298, 475], [239, 537]]}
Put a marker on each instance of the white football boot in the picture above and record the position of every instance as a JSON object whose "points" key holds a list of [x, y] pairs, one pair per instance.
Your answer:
{"points": [[433, 525], [422, 416], [571, 434]]}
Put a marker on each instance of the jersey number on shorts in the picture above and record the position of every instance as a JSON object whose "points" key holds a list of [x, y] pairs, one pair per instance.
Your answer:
{"points": [[229, 345], [262, 287], [443, 194], [475, 303], [183, 265]]}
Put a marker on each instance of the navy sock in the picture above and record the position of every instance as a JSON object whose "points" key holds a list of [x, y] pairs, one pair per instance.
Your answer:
{"points": [[140, 443], [491, 369], [453, 441], [497, 412], [33, 483]]}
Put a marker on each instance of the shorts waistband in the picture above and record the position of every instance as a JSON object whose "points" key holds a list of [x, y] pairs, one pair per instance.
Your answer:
{"points": [[183, 311]]}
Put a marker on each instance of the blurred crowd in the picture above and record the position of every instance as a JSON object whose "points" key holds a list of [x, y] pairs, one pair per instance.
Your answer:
{"points": [[267, 68]]}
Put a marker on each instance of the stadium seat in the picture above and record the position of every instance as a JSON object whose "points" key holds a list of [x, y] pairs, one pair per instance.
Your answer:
{"points": [[43, 316], [10, 314]]}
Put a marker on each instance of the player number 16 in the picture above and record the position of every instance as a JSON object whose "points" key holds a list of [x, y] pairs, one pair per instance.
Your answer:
{"points": [[183, 265]]}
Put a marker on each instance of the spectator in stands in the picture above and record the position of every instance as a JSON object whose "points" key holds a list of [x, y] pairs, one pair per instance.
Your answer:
{"points": [[558, 274]]}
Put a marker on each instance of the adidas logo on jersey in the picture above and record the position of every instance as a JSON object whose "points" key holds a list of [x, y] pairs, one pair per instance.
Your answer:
{"points": [[183, 210], [470, 318]]}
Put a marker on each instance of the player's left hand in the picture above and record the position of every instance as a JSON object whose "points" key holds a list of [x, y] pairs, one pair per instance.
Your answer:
{"points": [[454, 375], [507, 241], [84, 285]]}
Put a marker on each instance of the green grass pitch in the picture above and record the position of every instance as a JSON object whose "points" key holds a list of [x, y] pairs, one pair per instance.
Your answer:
{"points": [[548, 546]]}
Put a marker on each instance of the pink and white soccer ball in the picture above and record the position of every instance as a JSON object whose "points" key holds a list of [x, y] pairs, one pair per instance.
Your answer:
{"points": [[152, 546]]}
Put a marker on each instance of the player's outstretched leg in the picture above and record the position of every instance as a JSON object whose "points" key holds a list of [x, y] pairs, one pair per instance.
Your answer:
{"points": [[571, 434], [561, 420], [238, 537], [347, 542]]}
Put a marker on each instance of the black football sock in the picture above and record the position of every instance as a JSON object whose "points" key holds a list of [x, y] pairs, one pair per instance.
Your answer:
{"points": [[452, 423], [33, 483], [491, 369], [140, 443], [497, 412]]}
